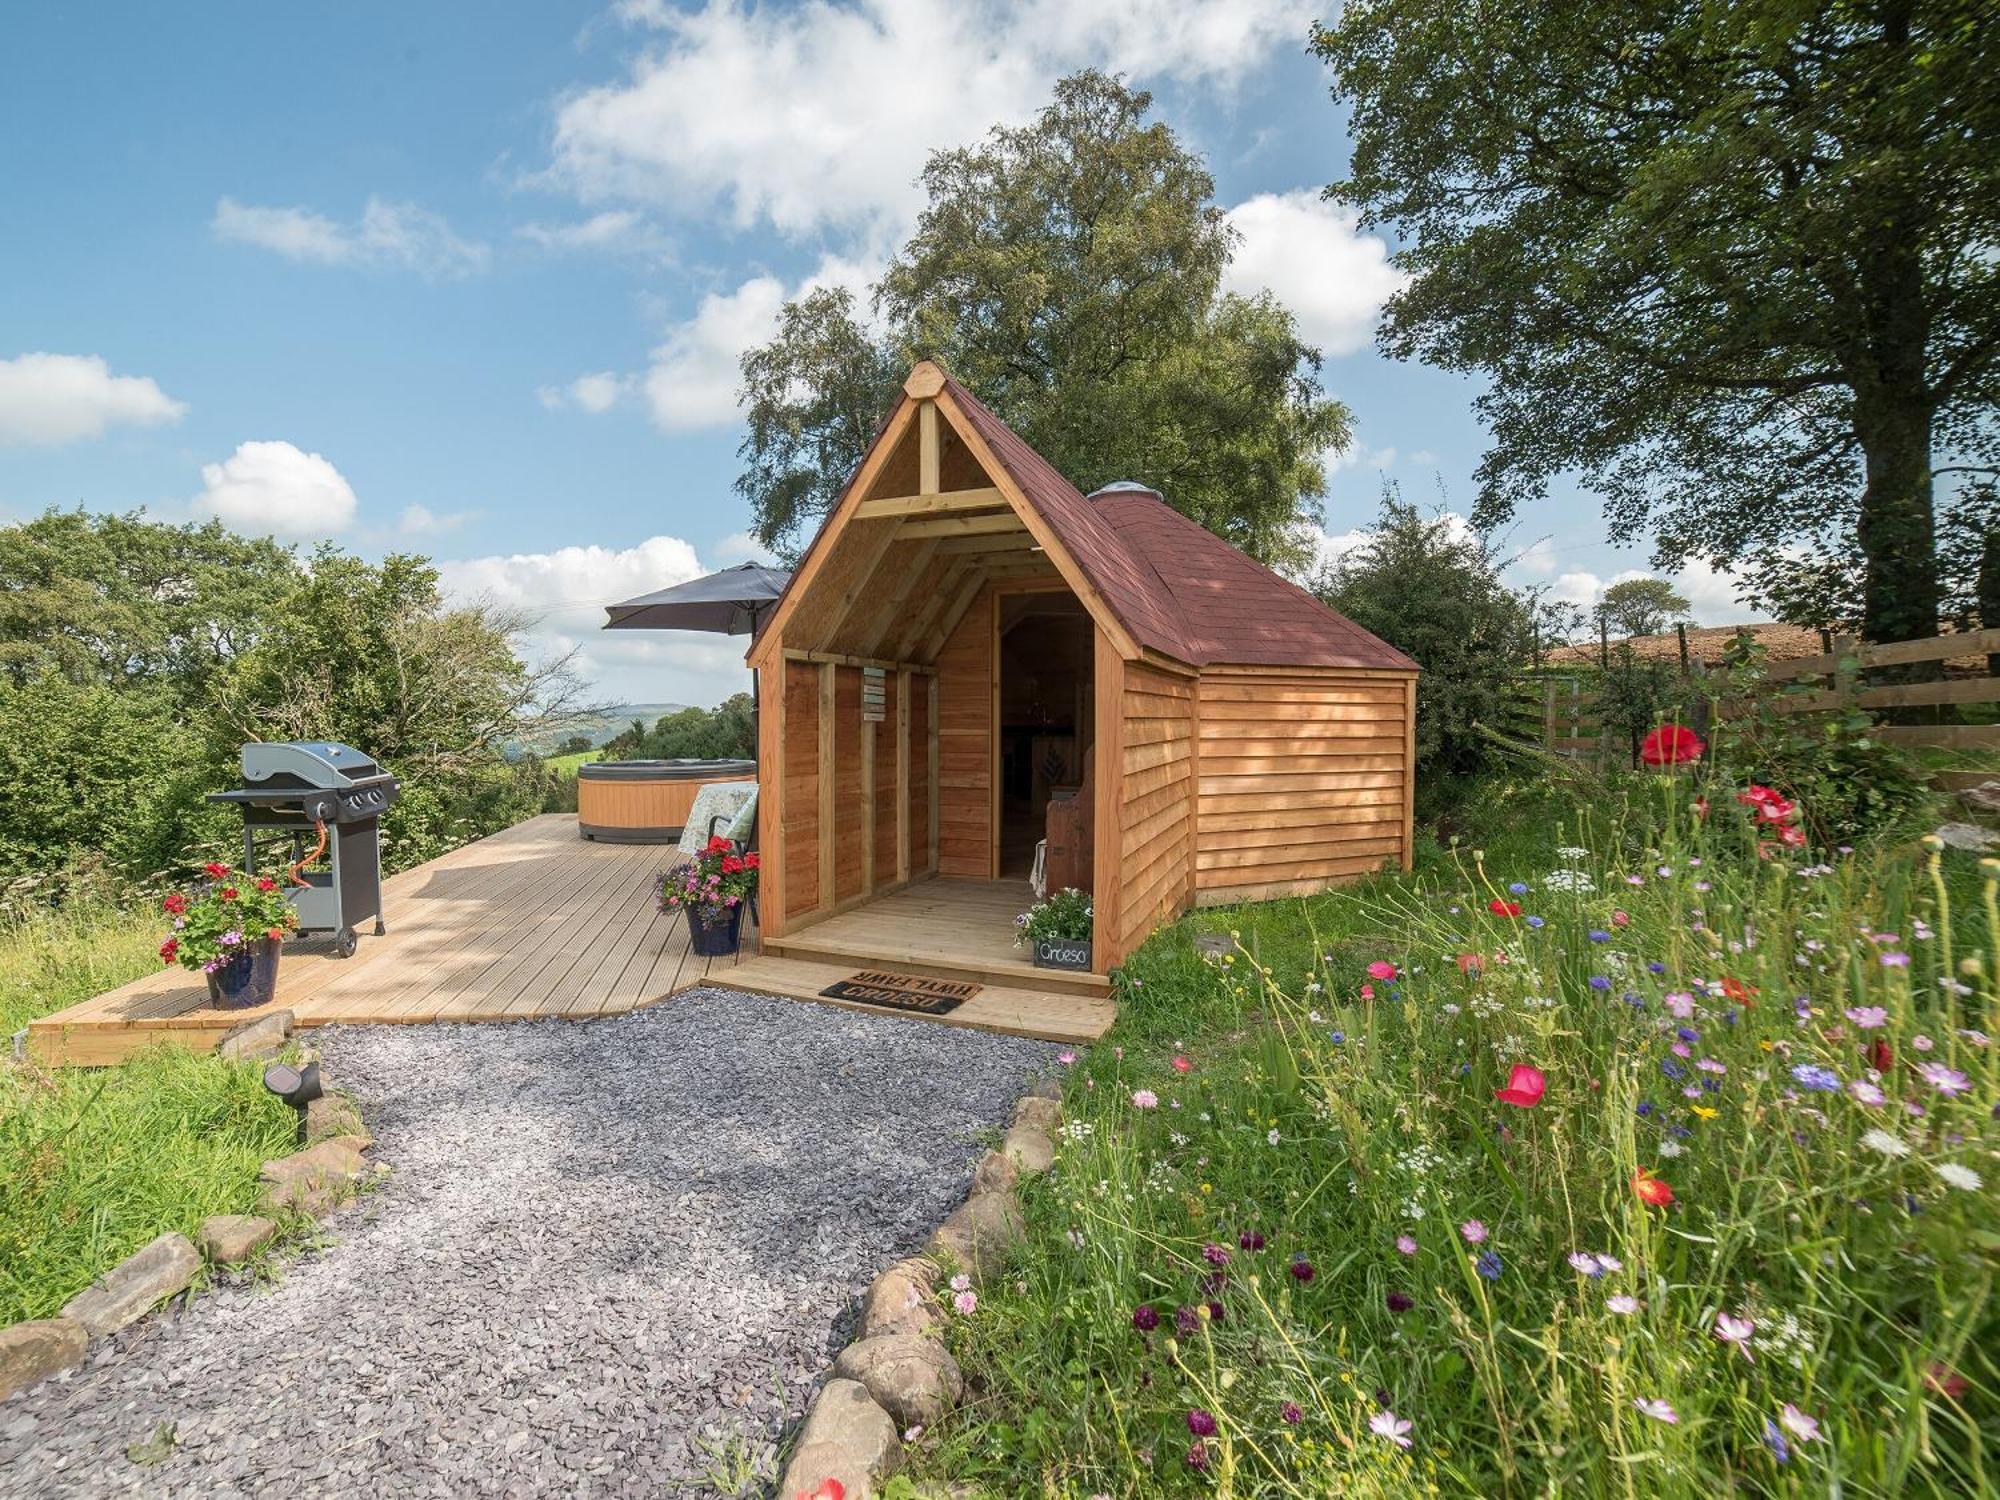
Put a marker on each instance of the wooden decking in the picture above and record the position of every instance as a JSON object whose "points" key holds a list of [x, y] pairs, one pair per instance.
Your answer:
{"points": [[535, 922]]}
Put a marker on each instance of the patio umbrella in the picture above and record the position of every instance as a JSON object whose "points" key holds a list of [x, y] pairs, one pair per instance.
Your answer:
{"points": [[727, 603]]}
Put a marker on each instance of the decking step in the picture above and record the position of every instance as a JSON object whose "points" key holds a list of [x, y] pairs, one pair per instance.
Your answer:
{"points": [[1011, 1010], [814, 946]]}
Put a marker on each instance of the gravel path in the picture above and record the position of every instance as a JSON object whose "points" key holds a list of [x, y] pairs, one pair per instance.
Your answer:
{"points": [[609, 1252]]}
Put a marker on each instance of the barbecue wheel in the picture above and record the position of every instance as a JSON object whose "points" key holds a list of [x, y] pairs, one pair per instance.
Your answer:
{"points": [[345, 942]]}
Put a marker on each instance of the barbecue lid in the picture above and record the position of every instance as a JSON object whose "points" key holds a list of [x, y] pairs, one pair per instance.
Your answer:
{"points": [[319, 763]]}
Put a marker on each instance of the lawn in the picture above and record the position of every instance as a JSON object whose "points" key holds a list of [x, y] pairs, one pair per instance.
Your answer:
{"points": [[1311, 1230], [95, 1162], [566, 765]]}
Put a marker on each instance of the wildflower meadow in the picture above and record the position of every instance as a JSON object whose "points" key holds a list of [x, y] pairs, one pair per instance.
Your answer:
{"points": [[1651, 1155]]}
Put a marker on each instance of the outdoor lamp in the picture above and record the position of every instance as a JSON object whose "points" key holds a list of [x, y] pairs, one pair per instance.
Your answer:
{"points": [[298, 1087]]}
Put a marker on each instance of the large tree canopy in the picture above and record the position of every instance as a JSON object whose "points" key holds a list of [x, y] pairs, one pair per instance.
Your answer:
{"points": [[1734, 263], [1069, 272]]}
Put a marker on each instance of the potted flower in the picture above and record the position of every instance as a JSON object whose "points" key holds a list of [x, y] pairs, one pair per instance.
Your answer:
{"points": [[711, 891], [1059, 928], [230, 929]]}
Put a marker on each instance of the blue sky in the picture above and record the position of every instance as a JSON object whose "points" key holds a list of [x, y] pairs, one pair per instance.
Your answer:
{"points": [[472, 279]]}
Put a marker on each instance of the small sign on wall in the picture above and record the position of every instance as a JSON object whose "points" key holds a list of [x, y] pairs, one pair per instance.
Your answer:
{"points": [[874, 695]]}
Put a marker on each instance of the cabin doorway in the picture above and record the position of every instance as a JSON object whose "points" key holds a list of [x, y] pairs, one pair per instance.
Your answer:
{"points": [[1046, 722]]}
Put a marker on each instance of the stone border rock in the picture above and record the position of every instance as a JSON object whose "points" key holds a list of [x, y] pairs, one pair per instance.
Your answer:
{"points": [[897, 1377], [312, 1181]]}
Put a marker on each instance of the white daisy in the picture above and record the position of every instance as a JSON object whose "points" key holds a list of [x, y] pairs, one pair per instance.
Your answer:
{"points": [[1959, 1177], [1887, 1144]]}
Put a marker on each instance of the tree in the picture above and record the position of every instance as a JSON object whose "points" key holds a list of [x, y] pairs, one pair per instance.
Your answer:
{"points": [[1427, 586], [1069, 271], [1735, 265], [1641, 606]]}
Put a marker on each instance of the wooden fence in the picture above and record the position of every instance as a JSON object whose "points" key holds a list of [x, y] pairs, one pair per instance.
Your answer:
{"points": [[1559, 711]]}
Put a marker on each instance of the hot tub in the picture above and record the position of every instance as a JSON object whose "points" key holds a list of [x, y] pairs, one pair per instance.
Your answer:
{"points": [[645, 801]]}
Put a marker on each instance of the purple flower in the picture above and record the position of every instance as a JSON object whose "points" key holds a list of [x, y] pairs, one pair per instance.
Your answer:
{"points": [[1813, 1077], [1599, 982], [1599, 935], [1945, 1080], [1302, 1270], [1201, 1423], [1197, 1455], [1186, 1322], [1868, 1017], [1145, 1318], [1399, 1302], [1250, 1239], [1291, 1413], [1215, 1255], [1489, 1265], [1474, 1232]]}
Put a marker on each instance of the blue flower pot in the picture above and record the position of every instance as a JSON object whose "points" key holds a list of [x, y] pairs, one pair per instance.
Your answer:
{"points": [[249, 979], [717, 937]]}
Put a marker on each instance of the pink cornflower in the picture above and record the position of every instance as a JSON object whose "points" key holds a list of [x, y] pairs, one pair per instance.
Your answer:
{"points": [[1799, 1425], [1864, 1092], [1658, 1410], [1065, 1058], [1145, 1099], [1387, 1424], [1736, 1331], [1623, 1304], [1474, 1232], [966, 1302], [1947, 1081], [1868, 1017], [1680, 1005], [1405, 1245]]}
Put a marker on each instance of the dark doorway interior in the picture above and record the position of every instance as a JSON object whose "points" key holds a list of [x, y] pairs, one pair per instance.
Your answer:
{"points": [[1046, 720]]}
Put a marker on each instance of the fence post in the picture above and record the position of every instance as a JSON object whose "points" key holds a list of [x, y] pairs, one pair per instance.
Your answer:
{"points": [[1549, 716], [1681, 630]]}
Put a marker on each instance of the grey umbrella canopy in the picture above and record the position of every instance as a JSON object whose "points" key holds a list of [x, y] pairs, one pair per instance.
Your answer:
{"points": [[732, 602]]}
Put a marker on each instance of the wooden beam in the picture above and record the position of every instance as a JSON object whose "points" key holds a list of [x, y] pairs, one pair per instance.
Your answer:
{"points": [[830, 529], [860, 573], [919, 627], [993, 737], [924, 382], [929, 461], [771, 796], [955, 611], [824, 782], [1409, 775], [953, 526], [931, 697], [886, 664], [1012, 541], [937, 504], [868, 729], [1107, 792], [891, 609], [904, 678]]}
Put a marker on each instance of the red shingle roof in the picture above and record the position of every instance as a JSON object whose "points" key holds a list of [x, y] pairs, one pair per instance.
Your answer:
{"points": [[1174, 585]]}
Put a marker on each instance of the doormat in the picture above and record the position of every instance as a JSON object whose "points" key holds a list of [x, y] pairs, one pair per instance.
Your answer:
{"points": [[911, 992]]}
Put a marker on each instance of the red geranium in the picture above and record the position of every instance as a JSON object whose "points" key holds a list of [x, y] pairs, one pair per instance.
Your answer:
{"points": [[717, 844], [1671, 745], [731, 865], [266, 883], [227, 893], [175, 905], [169, 950], [215, 871]]}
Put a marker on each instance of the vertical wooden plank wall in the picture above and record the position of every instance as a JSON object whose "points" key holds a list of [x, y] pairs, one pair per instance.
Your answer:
{"points": [[1305, 779], [771, 791], [1107, 794], [800, 793], [1156, 801], [966, 772]]}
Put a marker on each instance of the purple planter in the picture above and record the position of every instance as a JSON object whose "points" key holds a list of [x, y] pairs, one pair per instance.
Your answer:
{"points": [[249, 979]]}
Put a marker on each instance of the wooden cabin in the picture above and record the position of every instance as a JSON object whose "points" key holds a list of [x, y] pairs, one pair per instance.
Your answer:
{"points": [[969, 643]]}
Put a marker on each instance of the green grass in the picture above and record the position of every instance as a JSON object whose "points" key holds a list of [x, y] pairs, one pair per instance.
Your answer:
{"points": [[95, 1162], [1330, 1125], [567, 764]]}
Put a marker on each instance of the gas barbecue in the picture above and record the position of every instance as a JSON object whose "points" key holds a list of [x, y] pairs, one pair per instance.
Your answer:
{"points": [[302, 798]]}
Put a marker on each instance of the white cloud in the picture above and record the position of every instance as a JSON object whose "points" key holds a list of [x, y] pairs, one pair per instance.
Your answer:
{"points": [[1538, 558], [397, 235], [1331, 546], [564, 592], [740, 547], [616, 231], [421, 520], [1710, 592], [1312, 255], [822, 115], [275, 489], [1353, 456], [594, 393], [58, 398]]}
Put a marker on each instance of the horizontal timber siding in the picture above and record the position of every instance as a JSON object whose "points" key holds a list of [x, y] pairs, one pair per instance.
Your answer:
{"points": [[1304, 780], [1156, 808]]}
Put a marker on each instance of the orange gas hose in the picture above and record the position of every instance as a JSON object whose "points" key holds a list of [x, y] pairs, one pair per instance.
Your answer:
{"points": [[319, 824]]}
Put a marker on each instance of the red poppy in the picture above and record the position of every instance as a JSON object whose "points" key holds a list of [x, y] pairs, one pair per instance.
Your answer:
{"points": [[1651, 1190], [1525, 1086], [1501, 908], [215, 871], [829, 1489], [1738, 991], [1470, 964], [1946, 1381], [1881, 1056], [1701, 809], [1182, 1065], [1671, 745], [1792, 836]]}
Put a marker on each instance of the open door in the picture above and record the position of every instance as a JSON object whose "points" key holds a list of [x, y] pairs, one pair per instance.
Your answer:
{"points": [[1044, 734]]}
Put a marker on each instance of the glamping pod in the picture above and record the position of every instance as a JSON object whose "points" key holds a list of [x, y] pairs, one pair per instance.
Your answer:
{"points": [[973, 659]]}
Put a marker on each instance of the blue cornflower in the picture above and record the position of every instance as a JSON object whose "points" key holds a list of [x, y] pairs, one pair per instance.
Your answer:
{"points": [[1634, 999], [1656, 967], [1687, 1034], [1518, 888], [1774, 1439], [1339, 1038], [1729, 1016], [1679, 1132], [1599, 935], [1488, 1265], [1536, 922], [1645, 1108], [1599, 982], [1819, 1080], [1673, 1069]]}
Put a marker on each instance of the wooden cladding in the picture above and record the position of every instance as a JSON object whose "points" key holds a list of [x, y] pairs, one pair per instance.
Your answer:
{"points": [[968, 774], [1156, 828], [853, 816], [1304, 780]]}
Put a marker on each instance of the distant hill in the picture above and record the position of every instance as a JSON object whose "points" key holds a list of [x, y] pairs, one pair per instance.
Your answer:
{"points": [[597, 728]]}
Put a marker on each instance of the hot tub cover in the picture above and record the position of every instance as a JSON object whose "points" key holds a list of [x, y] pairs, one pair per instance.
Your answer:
{"points": [[665, 770]]}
